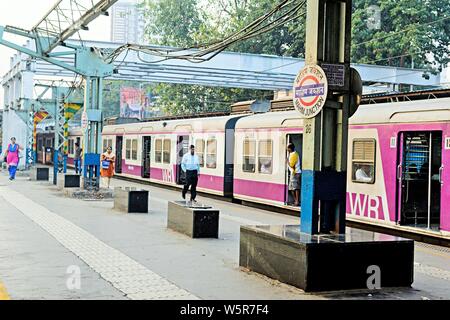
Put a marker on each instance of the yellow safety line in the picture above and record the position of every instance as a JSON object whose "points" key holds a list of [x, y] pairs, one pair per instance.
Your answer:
{"points": [[3, 293]]}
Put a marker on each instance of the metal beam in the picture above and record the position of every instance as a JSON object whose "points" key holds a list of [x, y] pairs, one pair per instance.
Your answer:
{"points": [[65, 19], [231, 69]]}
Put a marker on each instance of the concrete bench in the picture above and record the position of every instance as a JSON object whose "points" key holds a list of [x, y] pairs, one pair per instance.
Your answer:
{"points": [[40, 174], [131, 200], [327, 262], [68, 181], [196, 221]]}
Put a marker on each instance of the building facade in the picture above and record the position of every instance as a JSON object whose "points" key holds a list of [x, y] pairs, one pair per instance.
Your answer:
{"points": [[127, 22]]}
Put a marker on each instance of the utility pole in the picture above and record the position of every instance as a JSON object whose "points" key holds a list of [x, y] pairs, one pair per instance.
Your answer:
{"points": [[325, 136]]}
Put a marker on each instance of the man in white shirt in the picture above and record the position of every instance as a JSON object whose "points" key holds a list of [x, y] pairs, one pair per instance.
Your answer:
{"points": [[190, 164]]}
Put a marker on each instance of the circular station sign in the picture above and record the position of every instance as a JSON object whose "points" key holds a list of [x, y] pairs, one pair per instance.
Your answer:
{"points": [[310, 91]]}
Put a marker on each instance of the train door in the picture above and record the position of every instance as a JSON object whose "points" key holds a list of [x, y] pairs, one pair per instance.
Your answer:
{"points": [[182, 149], [297, 140], [146, 152], [119, 145], [419, 179]]}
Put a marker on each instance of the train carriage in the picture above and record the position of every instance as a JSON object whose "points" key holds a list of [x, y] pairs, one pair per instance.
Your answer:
{"points": [[261, 174], [399, 165], [398, 159], [153, 151], [75, 136]]}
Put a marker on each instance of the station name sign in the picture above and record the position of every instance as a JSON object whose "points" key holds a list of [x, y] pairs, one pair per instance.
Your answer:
{"points": [[310, 91]]}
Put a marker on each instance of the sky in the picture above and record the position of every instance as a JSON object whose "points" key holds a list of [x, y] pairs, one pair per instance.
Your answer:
{"points": [[26, 13]]}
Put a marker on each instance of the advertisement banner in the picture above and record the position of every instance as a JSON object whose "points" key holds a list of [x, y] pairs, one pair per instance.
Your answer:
{"points": [[133, 103]]}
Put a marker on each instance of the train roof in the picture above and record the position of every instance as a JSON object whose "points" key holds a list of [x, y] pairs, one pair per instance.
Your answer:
{"points": [[431, 110], [181, 125], [279, 119]]}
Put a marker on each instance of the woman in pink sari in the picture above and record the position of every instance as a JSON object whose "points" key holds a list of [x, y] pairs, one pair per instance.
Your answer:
{"points": [[12, 158]]}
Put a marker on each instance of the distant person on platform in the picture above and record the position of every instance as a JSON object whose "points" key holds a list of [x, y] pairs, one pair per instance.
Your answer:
{"points": [[293, 163], [107, 160], [12, 157], [190, 164], [77, 160]]}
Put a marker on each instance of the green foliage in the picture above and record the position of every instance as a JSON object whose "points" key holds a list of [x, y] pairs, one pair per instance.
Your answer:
{"points": [[410, 31], [181, 99], [287, 40], [184, 23], [172, 22]]}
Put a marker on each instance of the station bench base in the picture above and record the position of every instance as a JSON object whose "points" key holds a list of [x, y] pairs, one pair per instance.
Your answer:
{"points": [[195, 221], [68, 181], [131, 200], [40, 174], [327, 262]]}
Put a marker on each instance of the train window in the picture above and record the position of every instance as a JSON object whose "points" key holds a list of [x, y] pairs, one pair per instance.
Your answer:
{"points": [[134, 149], [249, 156], [363, 161], [265, 156], [166, 150], [211, 153], [107, 143], [200, 151], [158, 150], [128, 149]]}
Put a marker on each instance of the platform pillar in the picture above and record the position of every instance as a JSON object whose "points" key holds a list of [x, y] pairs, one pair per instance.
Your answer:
{"points": [[92, 131], [324, 154]]}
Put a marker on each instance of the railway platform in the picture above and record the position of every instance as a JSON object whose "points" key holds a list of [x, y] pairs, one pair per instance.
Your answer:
{"points": [[56, 247]]}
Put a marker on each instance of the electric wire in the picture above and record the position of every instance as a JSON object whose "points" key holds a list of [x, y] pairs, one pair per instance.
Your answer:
{"points": [[205, 52]]}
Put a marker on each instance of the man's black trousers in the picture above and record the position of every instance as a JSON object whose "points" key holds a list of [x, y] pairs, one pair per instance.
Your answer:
{"points": [[191, 181]]}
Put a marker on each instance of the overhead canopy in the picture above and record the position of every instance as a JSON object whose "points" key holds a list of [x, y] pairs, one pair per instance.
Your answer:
{"points": [[230, 69]]}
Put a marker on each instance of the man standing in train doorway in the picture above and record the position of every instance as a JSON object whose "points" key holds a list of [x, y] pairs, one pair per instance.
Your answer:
{"points": [[293, 163], [190, 164]]}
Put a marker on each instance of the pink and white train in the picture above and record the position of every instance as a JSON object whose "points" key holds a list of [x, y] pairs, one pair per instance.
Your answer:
{"points": [[398, 160]]}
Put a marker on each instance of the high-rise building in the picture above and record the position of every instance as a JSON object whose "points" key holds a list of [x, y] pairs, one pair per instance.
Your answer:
{"points": [[127, 22]]}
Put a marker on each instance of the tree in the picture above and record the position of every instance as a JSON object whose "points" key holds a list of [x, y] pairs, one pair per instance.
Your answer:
{"points": [[171, 22], [409, 33], [182, 23], [402, 33], [233, 15]]}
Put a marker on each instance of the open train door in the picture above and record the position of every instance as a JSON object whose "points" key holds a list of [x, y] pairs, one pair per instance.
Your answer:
{"points": [[182, 149], [419, 168], [119, 145], [297, 140]]}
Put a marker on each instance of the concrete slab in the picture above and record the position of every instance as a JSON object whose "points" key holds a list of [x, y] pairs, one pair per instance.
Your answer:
{"points": [[38, 173], [357, 259], [131, 200], [193, 220]]}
